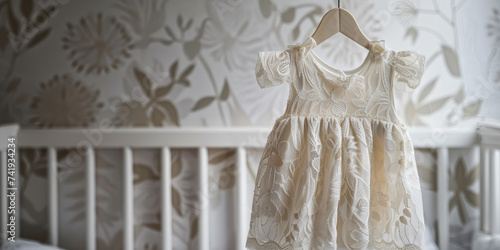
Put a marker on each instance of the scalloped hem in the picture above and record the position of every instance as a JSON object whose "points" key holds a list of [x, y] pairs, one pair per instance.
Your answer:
{"points": [[252, 244]]}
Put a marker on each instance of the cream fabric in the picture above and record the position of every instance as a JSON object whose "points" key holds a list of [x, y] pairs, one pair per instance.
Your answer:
{"points": [[338, 168]]}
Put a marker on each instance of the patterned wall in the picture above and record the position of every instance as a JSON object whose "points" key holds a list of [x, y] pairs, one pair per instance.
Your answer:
{"points": [[154, 63]]}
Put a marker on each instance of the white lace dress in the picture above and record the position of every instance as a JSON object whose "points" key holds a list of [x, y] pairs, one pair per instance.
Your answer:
{"points": [[338, 169]]}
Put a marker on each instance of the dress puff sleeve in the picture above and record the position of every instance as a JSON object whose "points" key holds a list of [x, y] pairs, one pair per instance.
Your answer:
{"points": [[408, 67], [272, 68]]}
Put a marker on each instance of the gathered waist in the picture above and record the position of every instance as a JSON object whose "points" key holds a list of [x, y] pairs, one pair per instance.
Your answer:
{"points": [[315, 116]]}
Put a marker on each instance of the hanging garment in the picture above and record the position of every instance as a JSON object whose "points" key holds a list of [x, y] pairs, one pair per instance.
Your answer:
{"points": [[338, 169]]}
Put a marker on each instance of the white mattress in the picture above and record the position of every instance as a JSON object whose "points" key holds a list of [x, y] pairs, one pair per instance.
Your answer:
{"points": [[26, 244]]}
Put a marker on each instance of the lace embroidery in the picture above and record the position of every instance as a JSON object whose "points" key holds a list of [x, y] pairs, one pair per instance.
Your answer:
{"points": [[272, 68], [408, 69]]}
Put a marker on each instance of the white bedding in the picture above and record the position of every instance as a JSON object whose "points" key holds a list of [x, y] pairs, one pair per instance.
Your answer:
{"points": [[26, 244]]}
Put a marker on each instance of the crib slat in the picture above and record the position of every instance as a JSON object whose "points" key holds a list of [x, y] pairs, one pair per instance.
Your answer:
{"points": [[53, 181], [494, 192], [128, 237], [484, 188], [241, 220], [166, 198], [3, 192], [442, 174], [90, 196], [203, 198]]}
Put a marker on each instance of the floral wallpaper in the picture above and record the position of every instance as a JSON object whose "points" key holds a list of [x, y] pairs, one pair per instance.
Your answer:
{"points": [[162, 63]]}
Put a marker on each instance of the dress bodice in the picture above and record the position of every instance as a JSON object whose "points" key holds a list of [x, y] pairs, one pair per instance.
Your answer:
{"points": [[318, 89]]}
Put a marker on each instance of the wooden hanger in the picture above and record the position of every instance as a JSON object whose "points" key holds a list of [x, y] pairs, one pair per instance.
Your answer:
{"points": [[340, 20]]}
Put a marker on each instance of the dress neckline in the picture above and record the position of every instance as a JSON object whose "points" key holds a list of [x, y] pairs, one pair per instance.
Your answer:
{"points": [[343, 74]]}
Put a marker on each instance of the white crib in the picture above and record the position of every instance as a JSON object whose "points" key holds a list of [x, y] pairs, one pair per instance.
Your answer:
{"points": [[240, 138]]}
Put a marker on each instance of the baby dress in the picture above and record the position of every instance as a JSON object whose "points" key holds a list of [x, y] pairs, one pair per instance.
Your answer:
{"points": [[338, 169]]}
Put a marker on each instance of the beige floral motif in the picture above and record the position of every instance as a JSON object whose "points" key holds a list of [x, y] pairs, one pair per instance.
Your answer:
{"points": [[339, 108], [330, 143], [33, 165], [287, 150], [382, 198], [224, 167], [406, 11], [143, 17], [411, 247], [151, 105], [96, 44], [336, 90], [274, 69], [131, 113], [275, 160], [360, 239], [461, 182], [228, 45], [363, 205], [494, 27], [64, 102]]}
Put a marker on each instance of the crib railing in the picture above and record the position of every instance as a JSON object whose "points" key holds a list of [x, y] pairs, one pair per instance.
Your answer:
{"points": [[239, 138], [488, 236]]}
